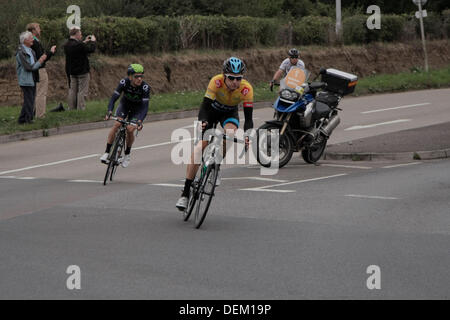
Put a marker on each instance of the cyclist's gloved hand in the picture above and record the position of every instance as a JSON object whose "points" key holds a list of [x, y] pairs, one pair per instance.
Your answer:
{"points": [[271, 85], [108, 115], [139, 125], [204, 124]]}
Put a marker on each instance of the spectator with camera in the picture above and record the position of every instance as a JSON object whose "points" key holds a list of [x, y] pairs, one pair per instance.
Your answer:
{"points": [[77, 67]]}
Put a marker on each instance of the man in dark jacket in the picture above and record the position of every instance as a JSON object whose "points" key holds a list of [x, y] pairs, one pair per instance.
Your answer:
{"points": [[77, 67], [42, 85]]}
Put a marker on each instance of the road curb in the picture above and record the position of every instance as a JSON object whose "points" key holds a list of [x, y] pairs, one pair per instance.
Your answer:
{"points": [[20, 136], [372, 156]]}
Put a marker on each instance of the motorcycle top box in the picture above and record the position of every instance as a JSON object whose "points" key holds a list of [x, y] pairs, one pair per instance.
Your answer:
{"points": [[339, 82]]}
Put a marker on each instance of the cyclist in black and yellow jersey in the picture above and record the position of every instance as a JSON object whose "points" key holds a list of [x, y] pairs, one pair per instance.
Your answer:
{"points": [[220, 105]]}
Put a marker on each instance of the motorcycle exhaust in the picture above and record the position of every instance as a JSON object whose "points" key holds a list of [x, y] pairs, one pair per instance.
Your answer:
{"points": [[331, 125]]}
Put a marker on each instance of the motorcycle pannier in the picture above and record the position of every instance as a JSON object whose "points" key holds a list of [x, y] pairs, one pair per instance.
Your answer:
{"points": [[340, 82], [328, 98]]}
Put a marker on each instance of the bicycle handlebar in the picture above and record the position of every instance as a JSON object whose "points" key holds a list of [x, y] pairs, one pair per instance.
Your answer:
{"points": [[127, 123]]}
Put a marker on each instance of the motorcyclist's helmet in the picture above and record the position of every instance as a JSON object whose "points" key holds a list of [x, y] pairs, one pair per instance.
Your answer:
{"points": [[234, 65], [135, 68], [293, 53]]}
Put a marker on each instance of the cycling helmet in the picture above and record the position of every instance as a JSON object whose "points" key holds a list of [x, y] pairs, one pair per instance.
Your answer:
{"points": [[233, 65], [293, 53], [135, 68]]}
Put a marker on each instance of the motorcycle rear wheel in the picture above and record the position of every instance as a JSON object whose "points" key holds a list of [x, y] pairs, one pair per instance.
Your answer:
{"points": [[313, 153]]}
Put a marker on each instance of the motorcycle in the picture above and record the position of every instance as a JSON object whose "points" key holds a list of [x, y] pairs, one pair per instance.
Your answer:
{"points": [[306, 114]]}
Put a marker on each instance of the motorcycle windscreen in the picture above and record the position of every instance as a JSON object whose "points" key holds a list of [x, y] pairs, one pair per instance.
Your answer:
{"points": [[294, 79]]}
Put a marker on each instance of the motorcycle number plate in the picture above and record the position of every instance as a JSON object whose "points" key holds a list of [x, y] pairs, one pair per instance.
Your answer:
{"points": [[295, 78]]}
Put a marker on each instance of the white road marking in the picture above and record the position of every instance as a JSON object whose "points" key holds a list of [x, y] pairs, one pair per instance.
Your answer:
{"points": [[162, 144], [376, 124], [266, 190], [402, 165], [255, 178], [86, 157], [167, 185], [292, 182], [86, 181], [344, 166], [7, 177], [395, 108], [26, 178], [370, 197], [303, 181], [49, 164]]}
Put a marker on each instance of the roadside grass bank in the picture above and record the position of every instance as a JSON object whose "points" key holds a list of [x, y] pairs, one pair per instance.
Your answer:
{"points": [[188, 100]]}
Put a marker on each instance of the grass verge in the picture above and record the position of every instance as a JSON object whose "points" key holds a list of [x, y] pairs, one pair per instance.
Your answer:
{"points": [[188, 100]]}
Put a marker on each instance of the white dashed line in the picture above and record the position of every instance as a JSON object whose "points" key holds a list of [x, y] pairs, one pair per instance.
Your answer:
{"points": [[168, 185], [255, 178], [292, 182], [395, 108], [49, 164], [370, 197], [268, 190], [402, 165], [376, 124], [86, 181], [344, 166]]}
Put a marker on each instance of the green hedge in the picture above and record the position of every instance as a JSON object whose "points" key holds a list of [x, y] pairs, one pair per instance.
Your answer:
{"points": [[123, 35], [313, 30]]}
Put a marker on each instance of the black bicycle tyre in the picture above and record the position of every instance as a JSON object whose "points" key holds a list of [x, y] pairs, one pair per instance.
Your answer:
{"points": [[108, 171], [112, 160], [200, 218], [118, 154], [191, 203]]}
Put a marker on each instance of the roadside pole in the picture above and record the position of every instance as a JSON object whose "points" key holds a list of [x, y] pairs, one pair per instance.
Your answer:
{"points": [[338, 20], [422, 31]]}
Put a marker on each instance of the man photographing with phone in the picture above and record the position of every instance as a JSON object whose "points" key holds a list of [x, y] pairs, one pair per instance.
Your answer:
{"points": [[77, 67]]}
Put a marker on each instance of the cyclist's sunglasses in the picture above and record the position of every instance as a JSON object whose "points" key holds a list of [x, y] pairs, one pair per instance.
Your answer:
{"points": [[293, 57], [138, 76], [232, 78]]}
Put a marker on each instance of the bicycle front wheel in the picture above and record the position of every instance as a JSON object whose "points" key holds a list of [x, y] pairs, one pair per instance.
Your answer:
{"points": [[192, 200], [109, 170], [205, 194], [118, 154]]}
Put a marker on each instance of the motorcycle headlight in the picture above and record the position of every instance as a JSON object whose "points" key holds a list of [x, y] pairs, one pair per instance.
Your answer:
{"points": [[289, 95]]}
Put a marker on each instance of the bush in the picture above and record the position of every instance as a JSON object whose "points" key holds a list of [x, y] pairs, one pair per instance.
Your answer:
{"points": [[313, 30], [355, 29], [446, 21], [391, 27], [433, 25], [5, 51]]}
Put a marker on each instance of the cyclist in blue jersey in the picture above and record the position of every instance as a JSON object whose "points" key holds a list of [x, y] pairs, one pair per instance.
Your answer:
{"points": [[133, 106]]}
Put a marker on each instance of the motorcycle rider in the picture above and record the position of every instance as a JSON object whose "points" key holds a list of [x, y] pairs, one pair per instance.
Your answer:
{"points": [[287, 65]]}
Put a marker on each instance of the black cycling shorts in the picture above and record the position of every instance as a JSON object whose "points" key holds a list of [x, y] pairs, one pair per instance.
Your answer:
{"points": [[214, 116], [127, 111]]}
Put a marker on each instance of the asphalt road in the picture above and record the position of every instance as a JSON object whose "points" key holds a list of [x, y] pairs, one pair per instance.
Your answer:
{"points": [[309, 232]]}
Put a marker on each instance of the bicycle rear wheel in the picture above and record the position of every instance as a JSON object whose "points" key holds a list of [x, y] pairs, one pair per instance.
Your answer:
{"points": [[205, 193]]}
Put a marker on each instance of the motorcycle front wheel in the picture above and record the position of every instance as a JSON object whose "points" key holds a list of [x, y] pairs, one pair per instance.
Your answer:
{"points": [[265, 151]]}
